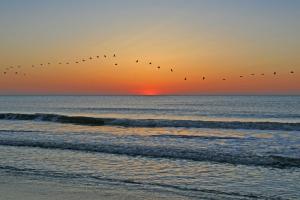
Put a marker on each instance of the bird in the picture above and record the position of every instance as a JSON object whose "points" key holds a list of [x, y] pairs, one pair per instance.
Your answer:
{"points": [[185, 78], [203, 78], [59, 63], [67, 63], [114, 55], [224, 79], [116, 64], [104, 56], [49, 63], [91, 58], [137, 61], [292, 72], [252, 74], [97, 56], [150, 63], [262, 74], [171, 70], [158, 67], [41, 64], [4, 73], [241, 76], [32, 65], [76, 62], [274, 73], [83, 60], [16, 73]]}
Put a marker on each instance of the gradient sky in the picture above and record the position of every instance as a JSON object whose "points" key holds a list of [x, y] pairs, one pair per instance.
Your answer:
{"points": [[215, 39]]}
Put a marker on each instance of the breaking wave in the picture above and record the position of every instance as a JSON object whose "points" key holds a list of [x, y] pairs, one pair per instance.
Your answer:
{"points": [[94, 121]]}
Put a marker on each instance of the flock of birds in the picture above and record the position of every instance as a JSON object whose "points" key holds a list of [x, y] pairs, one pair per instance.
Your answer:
{"points": [[17, 69]]}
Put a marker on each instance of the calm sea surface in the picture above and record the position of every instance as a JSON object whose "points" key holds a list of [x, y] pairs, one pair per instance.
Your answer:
{"points": [[197, 147]]}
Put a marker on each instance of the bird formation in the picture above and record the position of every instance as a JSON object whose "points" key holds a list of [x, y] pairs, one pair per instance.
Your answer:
{"points": [[16, 69]]}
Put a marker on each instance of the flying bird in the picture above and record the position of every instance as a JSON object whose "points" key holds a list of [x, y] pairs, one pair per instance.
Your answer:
{"points": [[137, 61], [116, 64], [91, 58], [114, 55], [171, 70], [241, 76], [203, 78], [158, 67], [224, 79], [104, 56], [185, 78], [274, 73], [97, 56], [150, 63], [292, 72]]}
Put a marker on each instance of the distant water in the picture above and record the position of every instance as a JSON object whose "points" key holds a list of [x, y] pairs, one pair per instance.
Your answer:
{"points": [[199, 147]]}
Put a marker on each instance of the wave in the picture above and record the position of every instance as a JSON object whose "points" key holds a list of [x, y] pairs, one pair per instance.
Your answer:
{"points": [[194, 192], [166, 152], [205, 137], [94, 121]]}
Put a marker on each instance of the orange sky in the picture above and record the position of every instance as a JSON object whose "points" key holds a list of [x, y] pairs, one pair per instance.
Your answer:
{"points": [[196, 39]]}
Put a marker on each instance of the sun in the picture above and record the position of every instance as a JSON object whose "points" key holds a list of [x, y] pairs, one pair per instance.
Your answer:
{"points": [[149, 92]]}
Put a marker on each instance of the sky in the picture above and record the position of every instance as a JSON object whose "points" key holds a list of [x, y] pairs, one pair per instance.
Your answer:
{"points": [[196, 38]]}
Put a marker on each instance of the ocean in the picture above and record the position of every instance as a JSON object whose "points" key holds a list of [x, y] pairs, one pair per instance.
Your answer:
{"points": [[153, 147]]}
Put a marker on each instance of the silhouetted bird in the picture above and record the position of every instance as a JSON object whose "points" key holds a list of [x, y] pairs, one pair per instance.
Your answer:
{"points": [[97, 56], [252, 74], [224, 79], [49, 63], [67, 63], [59, 63], [104, 56], [91, 58], [41, 64], [185, 78], [171, 70], [262, 74], [274, 73], [4, 73], [137, 61], [241, 76], [83, 60], [158, 67], [76, 62], [114, 55], [292, 72], [203, 78], [16, 73], [150, 63], [116, 64]]}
